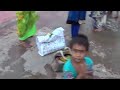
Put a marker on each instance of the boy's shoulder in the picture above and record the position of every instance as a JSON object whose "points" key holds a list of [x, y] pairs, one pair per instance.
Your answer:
{"points": [[88, 60]]}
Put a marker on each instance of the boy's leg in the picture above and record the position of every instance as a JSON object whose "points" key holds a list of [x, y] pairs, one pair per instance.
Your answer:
{"points": [[75, 30]]}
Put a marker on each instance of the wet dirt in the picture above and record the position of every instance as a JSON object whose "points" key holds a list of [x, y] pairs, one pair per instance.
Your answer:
{"points": [[14, 53]]}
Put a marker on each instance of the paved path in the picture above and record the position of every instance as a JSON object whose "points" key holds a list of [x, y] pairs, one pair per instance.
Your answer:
{"points": [[6, 15]]}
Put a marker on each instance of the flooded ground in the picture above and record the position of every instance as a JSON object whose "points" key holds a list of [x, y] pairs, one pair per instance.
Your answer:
{"points": [[18, 62]]}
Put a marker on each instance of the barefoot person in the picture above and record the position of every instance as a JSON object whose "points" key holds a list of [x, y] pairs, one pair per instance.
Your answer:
{"points": [[76, 18], [99, 18], [115, 14], [26, 26]]}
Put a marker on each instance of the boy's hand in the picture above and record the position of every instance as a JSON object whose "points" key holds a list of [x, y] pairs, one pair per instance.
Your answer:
{"points": [[80, 76], [82, 71]]}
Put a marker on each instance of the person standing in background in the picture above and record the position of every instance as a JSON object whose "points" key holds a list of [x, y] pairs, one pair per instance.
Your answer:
{"points": [[26, 26], [100, 18], [115, 14], [76, 18]]}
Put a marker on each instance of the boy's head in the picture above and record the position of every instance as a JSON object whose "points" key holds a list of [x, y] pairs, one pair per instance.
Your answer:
{"points": [[79, 47]]}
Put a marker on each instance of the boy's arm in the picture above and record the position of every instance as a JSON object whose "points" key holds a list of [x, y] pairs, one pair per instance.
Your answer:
{"points": [[82, 72], [89, 75]]}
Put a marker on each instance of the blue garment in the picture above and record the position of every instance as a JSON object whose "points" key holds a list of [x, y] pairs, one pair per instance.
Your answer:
{"points": [[75, 16], [73, 19], [75, 29], [69, 70]]}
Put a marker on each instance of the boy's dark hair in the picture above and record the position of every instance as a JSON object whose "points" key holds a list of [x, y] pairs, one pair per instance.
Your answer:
{"points": [[80, 40]]}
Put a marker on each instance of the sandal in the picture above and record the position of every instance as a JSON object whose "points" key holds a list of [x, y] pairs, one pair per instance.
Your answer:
{"points": [[63, 56], [67, 50]]}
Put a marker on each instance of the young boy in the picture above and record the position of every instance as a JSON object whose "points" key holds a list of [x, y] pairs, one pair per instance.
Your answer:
{"points": [[80, 65]]}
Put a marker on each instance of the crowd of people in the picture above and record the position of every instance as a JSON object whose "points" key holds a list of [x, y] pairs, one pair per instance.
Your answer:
{"points": [[77, 18], [80, 65], [26, 23]]}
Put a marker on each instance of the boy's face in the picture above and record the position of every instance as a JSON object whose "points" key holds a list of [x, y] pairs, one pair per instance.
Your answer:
{"points": [[78, 52]]}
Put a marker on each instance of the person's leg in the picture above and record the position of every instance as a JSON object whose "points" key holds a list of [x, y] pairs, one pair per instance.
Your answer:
{"points": [[109, 14], [95, 23], [117, 14], [25, 44], [82, 17], [104, 20], [114, 14], [75, 30], [96, 26]]}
